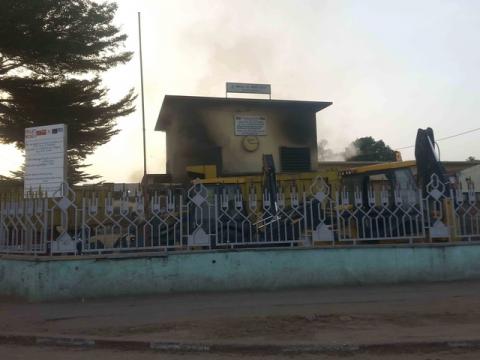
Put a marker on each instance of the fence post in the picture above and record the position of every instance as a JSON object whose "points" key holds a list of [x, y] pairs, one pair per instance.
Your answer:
{"points": [[305, 222]]}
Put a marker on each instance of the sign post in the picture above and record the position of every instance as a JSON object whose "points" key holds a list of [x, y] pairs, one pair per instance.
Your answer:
{"points": [[45, 160], [246, 88]]}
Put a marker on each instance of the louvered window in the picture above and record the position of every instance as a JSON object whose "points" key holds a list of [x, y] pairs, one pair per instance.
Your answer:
{"points": [[295, 159]]}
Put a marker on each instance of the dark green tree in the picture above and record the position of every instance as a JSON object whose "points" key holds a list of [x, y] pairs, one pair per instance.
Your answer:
{"points": [[368, 149], [52, 53]]}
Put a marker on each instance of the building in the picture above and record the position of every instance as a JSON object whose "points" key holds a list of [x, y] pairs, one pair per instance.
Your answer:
{"points": [[221, 136], [232, 134], [470, 175], [453, 168]]}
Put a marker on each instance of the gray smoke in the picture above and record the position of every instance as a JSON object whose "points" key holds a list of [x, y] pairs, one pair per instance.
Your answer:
{"points": [[327, 154], [231, 55]]}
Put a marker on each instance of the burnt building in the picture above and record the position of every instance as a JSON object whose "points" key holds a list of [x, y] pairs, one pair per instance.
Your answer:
{"points": [[232, 134]]}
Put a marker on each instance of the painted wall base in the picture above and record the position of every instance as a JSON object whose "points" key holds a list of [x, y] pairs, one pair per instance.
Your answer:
{"points": [[60, 278]]}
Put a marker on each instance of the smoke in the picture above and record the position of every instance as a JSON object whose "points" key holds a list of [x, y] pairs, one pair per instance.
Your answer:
{"points": [[230, 55], [350, 151], [135, 176], [327, 154]]}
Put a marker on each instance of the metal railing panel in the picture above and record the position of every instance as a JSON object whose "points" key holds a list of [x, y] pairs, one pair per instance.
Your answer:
{"points": [[207, 217], [320, 211], [379, 217], [466, 210], [276, 221]]}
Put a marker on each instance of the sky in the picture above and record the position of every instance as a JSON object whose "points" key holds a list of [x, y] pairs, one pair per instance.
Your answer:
{"points": [[389, 67]]}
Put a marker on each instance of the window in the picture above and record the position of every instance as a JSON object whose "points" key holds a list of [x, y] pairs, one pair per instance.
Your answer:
{"points": [[295, 159]]}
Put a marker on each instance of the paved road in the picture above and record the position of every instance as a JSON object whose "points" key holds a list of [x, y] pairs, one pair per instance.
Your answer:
{"points": [[52, 353], [329, 316]]}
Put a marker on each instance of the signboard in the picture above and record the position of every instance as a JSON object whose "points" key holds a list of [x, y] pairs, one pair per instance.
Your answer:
{"points": [[249, 88], [250, 125], [45, 159]]}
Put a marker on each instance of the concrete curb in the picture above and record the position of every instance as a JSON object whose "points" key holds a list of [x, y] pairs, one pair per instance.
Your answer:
{"points": [[143, 345]]}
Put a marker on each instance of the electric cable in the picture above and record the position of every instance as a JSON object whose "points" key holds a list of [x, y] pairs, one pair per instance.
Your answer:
{"points": [[443, 138]]}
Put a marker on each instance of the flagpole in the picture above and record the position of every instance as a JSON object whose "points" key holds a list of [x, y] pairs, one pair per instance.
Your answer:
{"points": [[142, 97]]}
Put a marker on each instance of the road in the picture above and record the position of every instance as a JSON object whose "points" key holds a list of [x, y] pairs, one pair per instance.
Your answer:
{"points": [[327, 316], [52, 353]]}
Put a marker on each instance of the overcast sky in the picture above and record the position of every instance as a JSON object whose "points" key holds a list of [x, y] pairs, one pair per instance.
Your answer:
{"points": [[389, 67]]}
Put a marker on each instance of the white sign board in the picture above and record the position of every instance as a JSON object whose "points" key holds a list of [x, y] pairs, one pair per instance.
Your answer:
{"points": [[248, 88], [45, 159], [250, 125]]}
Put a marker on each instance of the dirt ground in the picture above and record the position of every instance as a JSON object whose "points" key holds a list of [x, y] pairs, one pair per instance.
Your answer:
{"points": [[328, 316], [50, 353]]}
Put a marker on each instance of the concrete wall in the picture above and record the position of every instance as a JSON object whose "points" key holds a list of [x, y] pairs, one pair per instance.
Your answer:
{"points": [[39, 280], [191, 133]]}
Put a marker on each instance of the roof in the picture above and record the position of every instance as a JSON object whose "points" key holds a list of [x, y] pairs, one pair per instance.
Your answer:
{"points": [[175, 102], [382, 166], [354, 167], [325, 163]]}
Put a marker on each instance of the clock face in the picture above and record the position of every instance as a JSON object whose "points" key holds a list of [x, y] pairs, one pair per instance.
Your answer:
{"points": [[250, 143]]}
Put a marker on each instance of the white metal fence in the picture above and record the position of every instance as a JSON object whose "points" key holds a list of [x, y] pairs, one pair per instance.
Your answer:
{"points": [[202, 217]]}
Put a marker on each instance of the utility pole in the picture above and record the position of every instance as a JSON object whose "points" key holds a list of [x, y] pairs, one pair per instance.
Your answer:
{"points": [[142, 97]]}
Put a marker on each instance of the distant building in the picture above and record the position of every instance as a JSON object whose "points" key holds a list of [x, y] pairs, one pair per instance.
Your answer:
{"points": [[470, 175], [451, 167]]}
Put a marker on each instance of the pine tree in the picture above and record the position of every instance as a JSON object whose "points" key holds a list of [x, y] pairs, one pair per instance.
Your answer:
{"points": [[52, 53]]}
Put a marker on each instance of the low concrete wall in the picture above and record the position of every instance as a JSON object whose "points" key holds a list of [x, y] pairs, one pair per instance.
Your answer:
{"points": [[59, 278]]}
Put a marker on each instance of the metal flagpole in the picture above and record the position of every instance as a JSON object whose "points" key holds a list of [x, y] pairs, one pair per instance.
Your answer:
{"points": [[143, 103]]}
